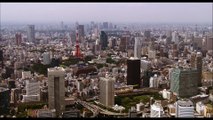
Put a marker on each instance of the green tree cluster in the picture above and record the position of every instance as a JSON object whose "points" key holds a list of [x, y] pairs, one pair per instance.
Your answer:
{"points": [[40, 68], [129, 101], [110, 60]]}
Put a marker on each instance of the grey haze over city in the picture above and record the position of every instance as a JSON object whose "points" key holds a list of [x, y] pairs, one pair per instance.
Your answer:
{"points": [[31, 13]]}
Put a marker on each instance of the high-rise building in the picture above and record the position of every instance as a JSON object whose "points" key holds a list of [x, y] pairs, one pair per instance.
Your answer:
{"points": [[56, 89], [105, 25], [15, 96], [153, 81], [184, 109], [146, 78], [193, 59], [46, 58], [32, 91], [133, 72], [147, 34], [184, 82], [31, 33], [199, 63], [156, 110], [110, 26], [18, 38], [175, 50], [62, 25], [209, 43], [1, 58], [103, 40], [81, 33], [32, 87], [196, 63], [124, 43], [4, 100], [137, 47], [107, 91], [175, 37]]}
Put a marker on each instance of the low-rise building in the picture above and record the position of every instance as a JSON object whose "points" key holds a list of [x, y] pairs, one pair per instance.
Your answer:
{"points": [[171, 109], [200, 108], [184, 109], [156, 110]]}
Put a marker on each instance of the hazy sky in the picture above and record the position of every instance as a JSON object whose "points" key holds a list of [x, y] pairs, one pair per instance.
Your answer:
{"points": [[111, 12]]}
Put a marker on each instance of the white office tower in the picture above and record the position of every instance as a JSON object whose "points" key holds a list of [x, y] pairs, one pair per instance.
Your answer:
{"points": [[46, 58], [32, 87], [32, 91], [175, 37], [156, 110], [97, 46], [184, 109], [107, 91], [153, 81], [56, 89], [137, 47], [31, 33]]}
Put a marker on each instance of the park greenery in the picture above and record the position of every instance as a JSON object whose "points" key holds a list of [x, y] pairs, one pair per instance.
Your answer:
{"points": [[129, 101], [22, 113]]}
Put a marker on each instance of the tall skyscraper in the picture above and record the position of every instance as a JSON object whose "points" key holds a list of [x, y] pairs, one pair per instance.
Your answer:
{"points": [[32, 87], [175, 37], [105, 25], [107, 91], [31, 33], [1, 58], [103, 40], [15, 96], [4, 100], [199, 63], [56, 89], [184, 109], [62, 25], [209, 43], [196, 63], [81, 33], [137, 47], [133, 72], [147, 33], [46, 58], [18, 38], [184, 82], [32, 91], [124, 43]]}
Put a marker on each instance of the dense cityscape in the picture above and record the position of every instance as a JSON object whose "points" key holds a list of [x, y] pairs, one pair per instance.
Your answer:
{"points": [[105, 69]]}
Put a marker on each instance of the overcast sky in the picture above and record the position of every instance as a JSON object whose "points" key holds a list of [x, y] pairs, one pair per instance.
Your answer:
{"points": [[111, 12]]}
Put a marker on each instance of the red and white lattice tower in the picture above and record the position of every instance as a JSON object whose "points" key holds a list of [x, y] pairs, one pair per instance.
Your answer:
{"points": [[78, 52]]}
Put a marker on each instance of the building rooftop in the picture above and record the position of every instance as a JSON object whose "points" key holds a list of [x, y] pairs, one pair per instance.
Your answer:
{"points": [[185, 103], [56, 69], [209, 105], [2, 89], [133, 58]]}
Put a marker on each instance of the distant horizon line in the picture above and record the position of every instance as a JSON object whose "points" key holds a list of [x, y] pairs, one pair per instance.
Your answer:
{"points": [[113, 22]]}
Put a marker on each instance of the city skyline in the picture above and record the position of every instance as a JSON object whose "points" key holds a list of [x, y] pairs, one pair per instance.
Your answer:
{"points": [[32, 13]]}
